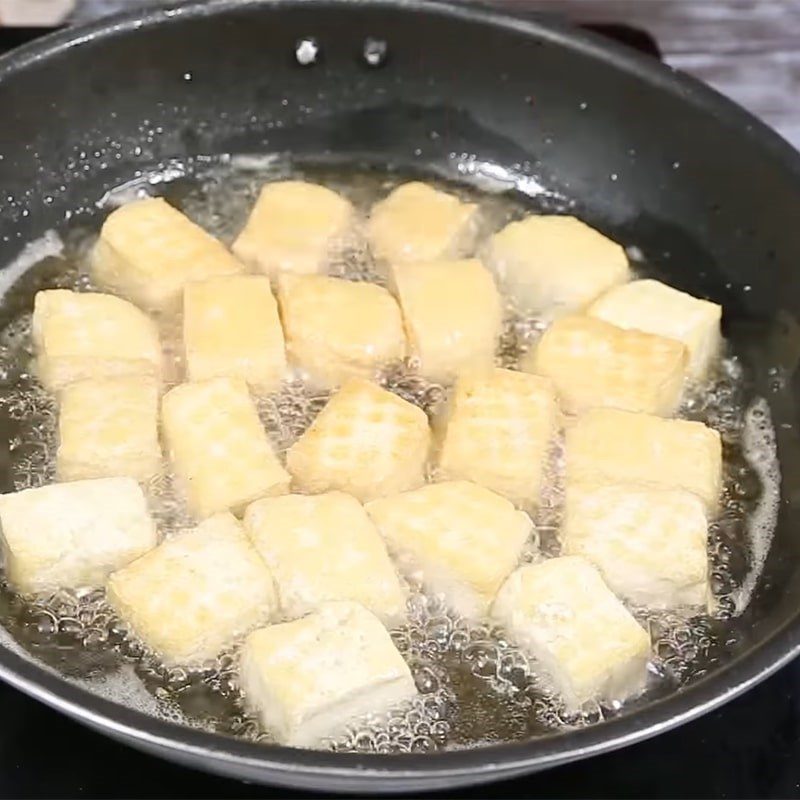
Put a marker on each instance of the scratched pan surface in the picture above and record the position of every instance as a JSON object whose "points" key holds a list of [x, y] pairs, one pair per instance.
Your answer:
{"points": [[707, 194]]}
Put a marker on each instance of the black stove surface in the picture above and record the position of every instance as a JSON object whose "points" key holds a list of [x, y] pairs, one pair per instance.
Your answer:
{"points": [[748, 748]]}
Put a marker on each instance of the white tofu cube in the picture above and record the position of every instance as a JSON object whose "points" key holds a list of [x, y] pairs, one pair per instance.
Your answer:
{"points": [[419, 223], [193, 595], [338, 329], [218, 448], [498, 430], [148, 251], [81, 335], [587, 642], [593, 363], [324, 547], [459, 539], [623, 447], [552, 265], [453, 316], [648, 542], [654, 307], [366, 441], [231, 328], [293, 227], [108, 427], [310, 679], [71, 535]]}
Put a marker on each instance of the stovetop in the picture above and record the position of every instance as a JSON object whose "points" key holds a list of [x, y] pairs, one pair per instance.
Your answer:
{"points": [[748, 748]]}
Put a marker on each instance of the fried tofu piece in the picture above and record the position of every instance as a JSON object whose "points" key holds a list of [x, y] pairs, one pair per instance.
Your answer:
{"points": [[72, 535], [193, 595], [218, 448], [108, 427], [553, 265], [149, 251], [648, 542], [497, 432], [623, 447], [453, 316], [81, 335], [561, 612], [338, 329], [461, 539], [593, 363], [654, 307], [311, 678], [231, 328], [324, 547], [419, 223], [367, 442], [293, 227]]}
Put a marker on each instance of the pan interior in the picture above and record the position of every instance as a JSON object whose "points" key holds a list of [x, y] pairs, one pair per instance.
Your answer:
{"points": [[475, 686]]}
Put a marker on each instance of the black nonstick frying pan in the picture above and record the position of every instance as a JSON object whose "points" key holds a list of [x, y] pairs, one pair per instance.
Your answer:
{"points": [[706, 192]]}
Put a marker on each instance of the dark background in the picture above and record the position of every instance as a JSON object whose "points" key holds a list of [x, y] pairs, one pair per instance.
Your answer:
{"points": [[749, 748]]}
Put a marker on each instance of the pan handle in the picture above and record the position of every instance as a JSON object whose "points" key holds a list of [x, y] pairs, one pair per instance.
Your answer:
{"points": [[637, 38], [621, 33]]}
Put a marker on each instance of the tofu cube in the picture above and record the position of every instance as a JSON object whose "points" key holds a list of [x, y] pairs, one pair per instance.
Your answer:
{"points": [[593, 363], [419, 223], [459, 539], [71, 535], [366, 441], [293, 227], [453, 316], [648, 542], [193, 595], [218, 448], [654, 307], [498, 430], [81, 335], [552, 265], [231, 328], [586, 641], [338, 329], [108, 427], [324, 547], [148, 251], [623, 447], [310, 679]]}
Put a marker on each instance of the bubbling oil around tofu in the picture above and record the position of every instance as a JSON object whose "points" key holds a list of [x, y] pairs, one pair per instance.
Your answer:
{"points": [[475, 686]]}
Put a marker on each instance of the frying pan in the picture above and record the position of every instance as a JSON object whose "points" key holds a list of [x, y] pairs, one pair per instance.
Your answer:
{"points": [[654, 159]]}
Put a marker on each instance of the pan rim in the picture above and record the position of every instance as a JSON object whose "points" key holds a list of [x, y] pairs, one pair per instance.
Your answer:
{"points": [[475, 764]]}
